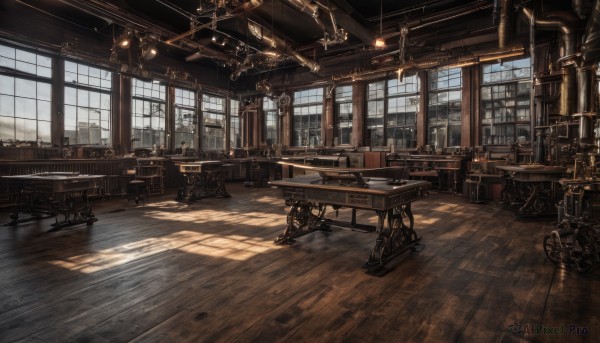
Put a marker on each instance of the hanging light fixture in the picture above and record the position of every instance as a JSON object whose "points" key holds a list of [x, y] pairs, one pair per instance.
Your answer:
{"points": [[147, 49], [124, 40], [380, 41]]}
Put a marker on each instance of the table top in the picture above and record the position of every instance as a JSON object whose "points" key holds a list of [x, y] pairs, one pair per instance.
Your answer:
{"points": [[533, 169], [59, 176], [374, 185]]}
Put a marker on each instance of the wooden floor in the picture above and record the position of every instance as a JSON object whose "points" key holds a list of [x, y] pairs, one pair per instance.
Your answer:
{"points": [[164, 271]]}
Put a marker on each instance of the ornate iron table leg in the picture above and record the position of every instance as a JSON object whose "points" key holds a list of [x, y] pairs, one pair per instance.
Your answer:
{"points": [[393, 240], [303, 218]]}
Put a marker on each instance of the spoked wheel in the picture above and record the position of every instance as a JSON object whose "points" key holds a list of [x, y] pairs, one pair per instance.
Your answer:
{"points": [[552, 248]]}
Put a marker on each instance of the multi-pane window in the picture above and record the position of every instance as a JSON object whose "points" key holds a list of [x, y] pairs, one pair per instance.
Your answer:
{"points": [[213, 109], [270, 109], [25, 96], [375, 113], [234, 126], [402, 108], [87, 104], [444, 108], [505, 102], [186, 118], [343, 115], [148, 114], [308, 109]]}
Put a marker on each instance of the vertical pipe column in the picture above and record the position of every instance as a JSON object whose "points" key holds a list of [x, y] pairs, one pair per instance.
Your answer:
{"points": [[358, 114]]}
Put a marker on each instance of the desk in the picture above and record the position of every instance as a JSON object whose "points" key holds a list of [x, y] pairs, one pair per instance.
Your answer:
{"points": [[309, 196], [444, 169], [530, 189], [59, 195], [202, 179], [257, 171]]}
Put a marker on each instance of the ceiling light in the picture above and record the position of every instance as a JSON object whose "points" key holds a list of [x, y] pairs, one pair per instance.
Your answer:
{"points": [[380, 42], [149, 51], [124, 40]]}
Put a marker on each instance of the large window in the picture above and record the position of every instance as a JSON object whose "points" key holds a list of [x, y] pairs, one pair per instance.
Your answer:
{"points": [[375, 113], [25, 96], [186, 118], [213, 109], [308, 109], [343, 115], [234, 127], [87, 104], [444, 108], [402, 108], [505, 102], [270, 109], [148, 114]]}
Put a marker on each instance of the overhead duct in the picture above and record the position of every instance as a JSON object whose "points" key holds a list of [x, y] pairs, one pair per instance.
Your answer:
{"points": [[280, 45]]}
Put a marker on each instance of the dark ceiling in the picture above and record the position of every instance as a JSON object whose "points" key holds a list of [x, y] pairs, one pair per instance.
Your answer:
{"points": [[256, 38]]}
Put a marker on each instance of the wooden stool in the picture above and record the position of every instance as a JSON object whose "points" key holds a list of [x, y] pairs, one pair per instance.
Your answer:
{"points": [[136, 190]]}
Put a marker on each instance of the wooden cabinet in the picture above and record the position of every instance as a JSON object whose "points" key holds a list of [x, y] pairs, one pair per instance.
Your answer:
{"points": [[375, 159]]}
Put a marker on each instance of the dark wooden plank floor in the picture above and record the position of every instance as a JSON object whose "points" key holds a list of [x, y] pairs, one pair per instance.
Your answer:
{"points": [[164, 271]]}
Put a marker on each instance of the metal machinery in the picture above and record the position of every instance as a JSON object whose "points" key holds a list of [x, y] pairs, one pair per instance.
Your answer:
{"points": [[202, 179], [63, 196], [380, 190], [575, 244]]}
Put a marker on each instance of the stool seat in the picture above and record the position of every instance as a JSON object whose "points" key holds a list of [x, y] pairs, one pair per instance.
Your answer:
{"points": [[136, 190]]}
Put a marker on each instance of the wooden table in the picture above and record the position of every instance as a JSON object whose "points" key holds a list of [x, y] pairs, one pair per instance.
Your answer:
{"points": [[63, 196], [309, 196], [202, 179], [531, 189]]}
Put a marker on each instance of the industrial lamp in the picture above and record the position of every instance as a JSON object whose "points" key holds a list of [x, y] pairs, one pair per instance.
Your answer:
{"points": [[124, 40], [148, 50], [380, 41]]}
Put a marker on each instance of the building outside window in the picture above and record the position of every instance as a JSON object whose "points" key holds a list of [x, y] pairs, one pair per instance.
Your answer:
{"points": [[505, 102], [213, 109], [88, 92], [375, 113], [444, 108], [402, 108], [186, 118], [308, 109], [235, 136], [25, 96], [270, 110], [343, 115], [148, 114]]}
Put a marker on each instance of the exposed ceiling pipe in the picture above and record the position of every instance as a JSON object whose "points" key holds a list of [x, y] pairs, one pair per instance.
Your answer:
{"points": [[557, 21], [564, 23], [309, 8], [505, 24], [280, 45], [590, 50], [443, 17]]}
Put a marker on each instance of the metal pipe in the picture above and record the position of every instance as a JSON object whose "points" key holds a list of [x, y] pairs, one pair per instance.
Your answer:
{"points": [[585, 103], [567, 91], [505, 23], [591, 46], [310, 9], [557, 21], [280, 45]]}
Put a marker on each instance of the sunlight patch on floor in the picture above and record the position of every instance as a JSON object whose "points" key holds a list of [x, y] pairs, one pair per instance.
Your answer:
{"points": [[233, 247]]}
